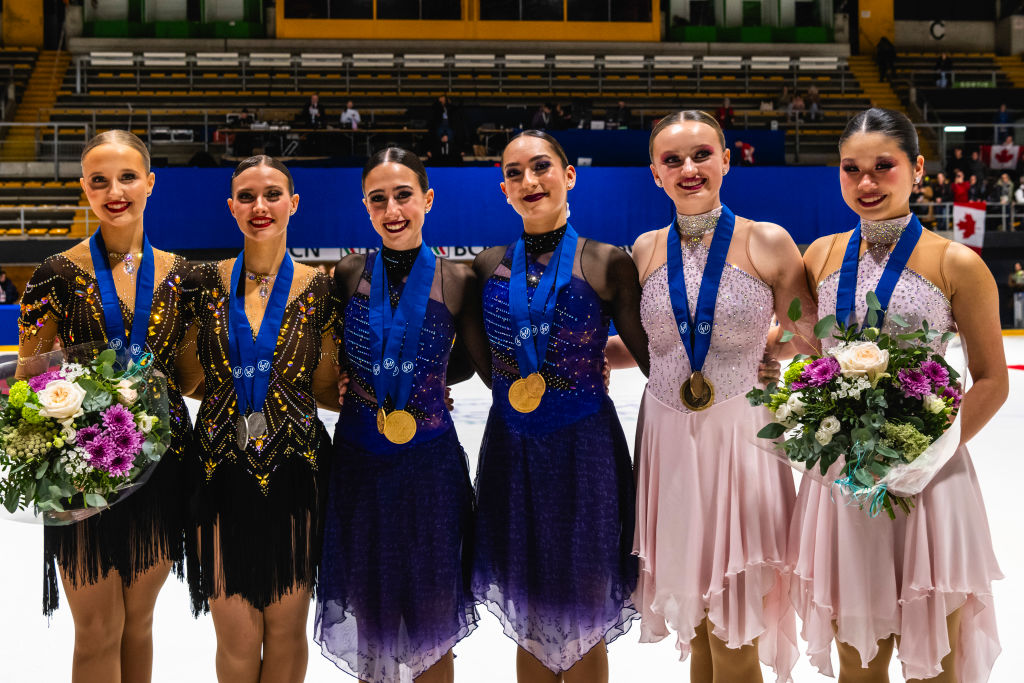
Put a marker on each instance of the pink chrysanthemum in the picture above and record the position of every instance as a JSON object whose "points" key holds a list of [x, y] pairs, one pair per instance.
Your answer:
{"points": [[820, 372], [87, 434], [101, 452], [127, 440], [953, 393], [915, 384], [39, 382], [121, 464], [118, 417], [937, 374]]}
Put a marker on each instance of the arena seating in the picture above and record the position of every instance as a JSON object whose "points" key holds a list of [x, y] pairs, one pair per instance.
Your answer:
{"points": [[39, 208]]}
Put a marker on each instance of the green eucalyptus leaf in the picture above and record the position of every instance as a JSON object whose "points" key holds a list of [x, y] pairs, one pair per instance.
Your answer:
{"points": [[787, 335], [873, 302], [823, 328], [95, 500], [772, 430], [898, 320], [795, 311]]}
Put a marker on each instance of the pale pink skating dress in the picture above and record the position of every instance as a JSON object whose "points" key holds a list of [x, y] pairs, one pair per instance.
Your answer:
{"points": [[877, 576], [713, 511]]}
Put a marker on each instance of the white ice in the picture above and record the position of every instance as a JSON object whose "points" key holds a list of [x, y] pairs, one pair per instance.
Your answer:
{"points": [[33, 651]]}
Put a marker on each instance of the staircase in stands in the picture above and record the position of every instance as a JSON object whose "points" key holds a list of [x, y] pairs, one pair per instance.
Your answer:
{"points": [[38, 99]]}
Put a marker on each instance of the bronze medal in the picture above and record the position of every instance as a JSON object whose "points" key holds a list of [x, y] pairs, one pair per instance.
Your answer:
{"points": [[697, 393], [525, 393], [381, 417], [399, 427]]}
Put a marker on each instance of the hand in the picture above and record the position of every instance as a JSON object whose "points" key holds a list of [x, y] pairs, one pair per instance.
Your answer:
{"points": [[769, 371], [606, 373], [342, 387], [448, 401]]}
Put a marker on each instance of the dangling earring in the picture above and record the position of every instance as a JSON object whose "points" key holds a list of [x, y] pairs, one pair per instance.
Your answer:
{"points": [[567, 212]]}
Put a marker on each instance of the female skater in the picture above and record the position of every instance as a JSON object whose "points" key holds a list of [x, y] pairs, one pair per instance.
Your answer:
{"points": [[394, 593], [712, 510], [921, 581], [115, 289], [554, 486], [260, 453]]}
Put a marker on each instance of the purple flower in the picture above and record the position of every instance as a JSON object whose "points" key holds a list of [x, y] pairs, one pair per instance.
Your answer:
{"points": [[938, 375], [117, 416], [101, 452], [87, 434], [915, 384], [953, 393], [121, 464], [39, 382], [820, 372], [798, 385], [126, 440]]}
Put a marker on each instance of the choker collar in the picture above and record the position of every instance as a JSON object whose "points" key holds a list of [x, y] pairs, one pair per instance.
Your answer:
{"points": [[544, 242], [699, 225], [883, 232], [398, 263]]}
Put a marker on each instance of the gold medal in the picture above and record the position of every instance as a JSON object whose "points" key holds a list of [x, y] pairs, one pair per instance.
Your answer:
{"points": [[697, 393], [525, 393], [399, 427], [380, 420]]}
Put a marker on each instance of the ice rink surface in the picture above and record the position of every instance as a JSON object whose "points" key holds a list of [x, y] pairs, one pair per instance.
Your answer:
{"points": [[34, 651]]}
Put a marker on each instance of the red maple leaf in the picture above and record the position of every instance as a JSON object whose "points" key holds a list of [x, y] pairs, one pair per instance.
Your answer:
{"points": [[1004, 156], [967, 225]]}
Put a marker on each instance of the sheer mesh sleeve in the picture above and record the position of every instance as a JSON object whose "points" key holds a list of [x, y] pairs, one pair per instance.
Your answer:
{"points": [[41, 310], [471, 350]]}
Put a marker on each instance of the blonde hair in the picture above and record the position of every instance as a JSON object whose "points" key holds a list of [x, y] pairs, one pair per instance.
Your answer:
{"points": [[686, 115], [118, 137]]}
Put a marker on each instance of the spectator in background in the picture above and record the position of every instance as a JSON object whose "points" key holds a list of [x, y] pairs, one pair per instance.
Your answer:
{"points": [[885, 55], [976, 190], [725, 115], [8, 292], [560, 118], [1016, 284], [620, 117], [784, 99], [813, 100], [442, 118], [745, 152], [542, 118], [313, 114], [976, 166], [921, 203], [942, 196], [1018, 195], [796, 108], [1002, 120], [444, 153], [944, 68], [957, 163], [1004, 189], [961, 187], [350, 117]]}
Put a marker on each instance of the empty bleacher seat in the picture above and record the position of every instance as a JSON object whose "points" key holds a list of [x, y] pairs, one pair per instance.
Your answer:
{"points": [[423, 61], [574, 61], [523, 61], [474, 61], [111, 58], [722, 63], [154, 59], [363, 60], [764, 63], [677, 62], [819, 63], [214, 59], [279, 60]]}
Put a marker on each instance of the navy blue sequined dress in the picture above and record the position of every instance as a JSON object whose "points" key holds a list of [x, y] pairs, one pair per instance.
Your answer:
{"points": [[394, 590], [555, 495]]}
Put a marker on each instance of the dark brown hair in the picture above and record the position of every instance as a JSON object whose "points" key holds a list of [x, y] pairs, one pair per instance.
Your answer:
{"points": [[118, 137], [553, 143], [685, 115], [398, 155], [263, 160], [890, 123]]}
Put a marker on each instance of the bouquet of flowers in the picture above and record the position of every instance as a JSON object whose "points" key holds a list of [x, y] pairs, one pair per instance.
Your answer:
{"points": [[883, 405], [77, 436]]}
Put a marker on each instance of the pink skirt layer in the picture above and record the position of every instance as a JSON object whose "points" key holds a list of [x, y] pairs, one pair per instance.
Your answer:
{"points": [[713, 514], [875, 577]]}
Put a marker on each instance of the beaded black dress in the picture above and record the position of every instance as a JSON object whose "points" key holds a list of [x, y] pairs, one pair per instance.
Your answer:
{"points": [[255, 525], [62, 302]]}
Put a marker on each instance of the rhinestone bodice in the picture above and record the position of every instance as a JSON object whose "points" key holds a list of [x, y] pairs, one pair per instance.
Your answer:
{"points": [[742, 317], [915, 298]]}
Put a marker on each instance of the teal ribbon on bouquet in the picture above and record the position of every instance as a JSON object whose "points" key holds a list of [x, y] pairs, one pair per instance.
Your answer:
{"points": [[873, 496]]}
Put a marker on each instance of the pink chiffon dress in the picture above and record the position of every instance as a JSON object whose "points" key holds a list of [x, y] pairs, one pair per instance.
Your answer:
{"points": [[713, 509], [877, 576]]}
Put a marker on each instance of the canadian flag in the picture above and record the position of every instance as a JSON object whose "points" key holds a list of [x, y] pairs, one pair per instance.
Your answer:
{"points": [[969, 224], [1000, 156]]}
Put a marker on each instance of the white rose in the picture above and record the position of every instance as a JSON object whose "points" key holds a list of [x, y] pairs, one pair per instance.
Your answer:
{"points": [[783, 413], [126, 394], [862, 359], [145, 422], [823, 437], [934, 404], [68, 431], [61, 399], [830, 424], [796, 404]]}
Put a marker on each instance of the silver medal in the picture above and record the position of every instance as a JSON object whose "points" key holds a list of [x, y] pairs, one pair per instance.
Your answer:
{"points": [[243, 432], [257, 426]]}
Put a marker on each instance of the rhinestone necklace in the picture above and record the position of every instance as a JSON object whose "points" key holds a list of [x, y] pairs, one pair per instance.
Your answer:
{"points": [[695, 227], [263, 280], [130, 259], [883, 233]]}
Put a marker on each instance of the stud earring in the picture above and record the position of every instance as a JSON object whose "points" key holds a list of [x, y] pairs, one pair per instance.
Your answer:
{"points": [[917, 180], [658, 183], [724, 171], [508, 200], [567, 211]]}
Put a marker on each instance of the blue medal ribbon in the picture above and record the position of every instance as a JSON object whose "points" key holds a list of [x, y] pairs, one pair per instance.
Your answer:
{"points": [[847, 292], [113, 320], [532, 317], [251, 361], [395, 335], [695, 331]]}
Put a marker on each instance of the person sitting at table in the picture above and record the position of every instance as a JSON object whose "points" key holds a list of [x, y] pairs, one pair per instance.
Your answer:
{"points": [[312, 113], [350, 117]]}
